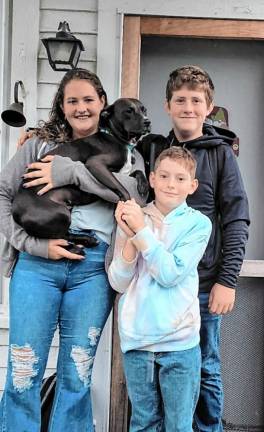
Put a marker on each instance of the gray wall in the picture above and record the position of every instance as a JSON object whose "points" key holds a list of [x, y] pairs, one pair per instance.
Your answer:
{"points": [[237, 70]]}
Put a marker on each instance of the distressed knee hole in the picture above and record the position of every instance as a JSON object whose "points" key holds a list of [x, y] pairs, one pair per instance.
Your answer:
{"points": [[84, 363], [23, 359], [93, 335]]}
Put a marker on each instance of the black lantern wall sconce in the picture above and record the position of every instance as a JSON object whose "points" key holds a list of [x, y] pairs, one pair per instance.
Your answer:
{"points": [[14, 116], [63, 54], [63, 50]]}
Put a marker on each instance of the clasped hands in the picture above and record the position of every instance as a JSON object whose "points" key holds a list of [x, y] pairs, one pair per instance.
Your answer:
{"points": [[129, 217]]}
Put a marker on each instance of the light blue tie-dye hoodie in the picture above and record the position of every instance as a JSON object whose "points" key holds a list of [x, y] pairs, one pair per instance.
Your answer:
{"points": [[159, 308]]}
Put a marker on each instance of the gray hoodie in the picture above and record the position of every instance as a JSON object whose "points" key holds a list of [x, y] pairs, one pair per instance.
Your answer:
{"points": [[64, 171]]}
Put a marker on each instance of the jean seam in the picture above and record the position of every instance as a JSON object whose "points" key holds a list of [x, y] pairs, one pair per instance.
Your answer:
{"points": [[58, 391], [4, 428]]}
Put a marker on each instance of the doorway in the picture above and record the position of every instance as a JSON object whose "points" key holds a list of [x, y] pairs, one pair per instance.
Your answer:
{"points": [[237, 70], [231, 51]]}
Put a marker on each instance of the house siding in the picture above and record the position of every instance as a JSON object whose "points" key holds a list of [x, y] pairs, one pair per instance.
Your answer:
{"points": [[81, 16]]}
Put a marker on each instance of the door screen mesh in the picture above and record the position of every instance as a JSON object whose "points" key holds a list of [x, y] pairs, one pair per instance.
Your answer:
{"points": [[242, 349]]}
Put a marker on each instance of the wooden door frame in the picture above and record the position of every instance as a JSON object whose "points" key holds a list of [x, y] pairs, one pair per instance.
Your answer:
{"points": [[134, 27]]}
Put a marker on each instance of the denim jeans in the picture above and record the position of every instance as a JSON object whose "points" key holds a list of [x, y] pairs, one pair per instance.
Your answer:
{"points": [[76, 296], [208, 414], [163, 389]]}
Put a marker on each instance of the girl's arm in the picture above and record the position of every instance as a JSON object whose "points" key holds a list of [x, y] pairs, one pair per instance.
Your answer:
{"points": [[62, 171], [10, 179]]}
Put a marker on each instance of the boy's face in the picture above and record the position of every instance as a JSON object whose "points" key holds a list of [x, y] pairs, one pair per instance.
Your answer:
{"points": [[188, 109], [172, 183]]}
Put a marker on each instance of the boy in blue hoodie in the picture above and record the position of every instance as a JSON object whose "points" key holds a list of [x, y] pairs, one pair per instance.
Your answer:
{"points": [[155, 261]]}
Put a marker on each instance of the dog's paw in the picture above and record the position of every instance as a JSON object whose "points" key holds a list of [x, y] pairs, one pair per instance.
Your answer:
{"points": [[84, 240], [73, 248], [124, 196], [90, 242]]}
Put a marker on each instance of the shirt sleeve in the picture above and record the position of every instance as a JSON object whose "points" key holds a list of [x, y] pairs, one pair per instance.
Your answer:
{"points": [[65, 171], [10, 179], [169, 267], [120, 271], [234, 211]]}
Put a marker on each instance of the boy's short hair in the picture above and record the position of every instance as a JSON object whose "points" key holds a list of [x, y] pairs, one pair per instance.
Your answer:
{"points": [[179, 154], [193, 77]]}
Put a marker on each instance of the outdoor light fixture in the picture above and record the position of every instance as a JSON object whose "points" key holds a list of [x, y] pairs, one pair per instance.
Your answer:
{"points": [[14, 116], [63, 50]]}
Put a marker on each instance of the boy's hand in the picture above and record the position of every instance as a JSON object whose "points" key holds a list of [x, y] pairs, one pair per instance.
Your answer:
{"points": [[221, 299], [129, 251], [133, 215], [40, 175], [121, 223]]}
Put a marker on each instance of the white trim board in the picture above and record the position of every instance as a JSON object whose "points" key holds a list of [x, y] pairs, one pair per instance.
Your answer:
{"points": [[252, 268], [235, 9], [25, 45]]}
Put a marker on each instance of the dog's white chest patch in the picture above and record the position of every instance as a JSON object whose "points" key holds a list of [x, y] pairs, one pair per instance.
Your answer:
{"points": [[127, 168]]}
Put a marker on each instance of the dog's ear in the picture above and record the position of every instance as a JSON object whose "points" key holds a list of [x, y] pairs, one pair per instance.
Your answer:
{"points": [[105, 114]]}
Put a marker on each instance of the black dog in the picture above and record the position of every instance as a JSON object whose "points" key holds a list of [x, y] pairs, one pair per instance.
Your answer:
{"points": [[49, 216]]}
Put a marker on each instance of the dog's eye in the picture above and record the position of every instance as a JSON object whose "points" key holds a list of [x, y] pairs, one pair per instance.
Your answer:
{"points": [[130, 110]]}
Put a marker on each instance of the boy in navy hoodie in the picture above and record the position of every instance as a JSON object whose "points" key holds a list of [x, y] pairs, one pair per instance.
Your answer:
{"points": [[220, 196]]}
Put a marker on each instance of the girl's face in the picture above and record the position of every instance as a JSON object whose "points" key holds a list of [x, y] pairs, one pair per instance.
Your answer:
{"points": [[82, 107]]}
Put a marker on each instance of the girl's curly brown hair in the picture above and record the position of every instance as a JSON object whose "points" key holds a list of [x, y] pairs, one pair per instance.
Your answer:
{"points": [[56, 128]]}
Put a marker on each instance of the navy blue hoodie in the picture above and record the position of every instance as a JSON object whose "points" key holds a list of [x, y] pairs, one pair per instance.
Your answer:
{"points": [[220, 196]]}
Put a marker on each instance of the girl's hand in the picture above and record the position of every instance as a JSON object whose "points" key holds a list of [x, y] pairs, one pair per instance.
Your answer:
{"points": [[133, 215], [119, 219], [23, 137], [56, 251], [41, 174]]}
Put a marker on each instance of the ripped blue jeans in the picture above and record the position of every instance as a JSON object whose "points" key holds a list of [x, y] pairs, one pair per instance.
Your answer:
{"points": [[44, 294]]}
